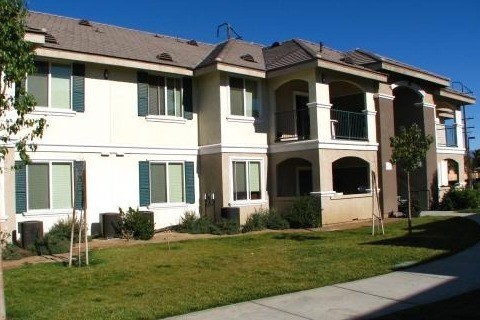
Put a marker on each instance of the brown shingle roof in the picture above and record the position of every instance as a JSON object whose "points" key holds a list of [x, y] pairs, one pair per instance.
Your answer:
{"points": [[117, 42], [236, 52]]}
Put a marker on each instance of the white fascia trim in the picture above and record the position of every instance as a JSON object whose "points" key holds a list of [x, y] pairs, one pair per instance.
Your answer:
{"points": [[446, 150], [165, 119], [111, 61], [117, 149], [44, 111], [223, 148], [241, 119], [315, 144], [429, 105], [383, 96], [241, 70], [369, 112], [319, 105], [324, 193]]}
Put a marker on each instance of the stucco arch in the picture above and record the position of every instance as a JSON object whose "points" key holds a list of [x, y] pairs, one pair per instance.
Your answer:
{"points": [[411, 85]]}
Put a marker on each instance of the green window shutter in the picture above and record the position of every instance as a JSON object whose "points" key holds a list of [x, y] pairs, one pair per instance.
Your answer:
{"points": [[78, 87], [144, 182], [142, 87], [20, 187], [187, 98], [78, 176], [189, 182]]}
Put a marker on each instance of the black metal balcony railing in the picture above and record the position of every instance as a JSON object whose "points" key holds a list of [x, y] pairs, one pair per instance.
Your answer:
{"points": [[292, 125], [349, 125], [447, 135]]}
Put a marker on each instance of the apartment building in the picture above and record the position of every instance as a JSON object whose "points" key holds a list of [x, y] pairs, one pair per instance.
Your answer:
{"points": [[173, 125]]}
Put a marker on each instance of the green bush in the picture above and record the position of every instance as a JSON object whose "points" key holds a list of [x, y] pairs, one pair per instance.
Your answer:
{"points": [[458, 199], [57, 239], [255, 222], [192, 223], [136, 224], [305, 212], [265, 219]]}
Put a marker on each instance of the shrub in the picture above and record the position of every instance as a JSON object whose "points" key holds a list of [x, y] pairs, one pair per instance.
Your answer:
{"points": [[265, 219], [9, 250], [57, 239], [255, 222], [305, 212], [457, 199], [192, 223], [136, 224]]}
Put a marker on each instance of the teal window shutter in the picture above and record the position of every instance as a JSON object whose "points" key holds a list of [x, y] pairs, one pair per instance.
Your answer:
{"points": [[78, 87], [187, 98], [20, 187], [142, 86], [144, 182], [78, 176], [189, 182]]}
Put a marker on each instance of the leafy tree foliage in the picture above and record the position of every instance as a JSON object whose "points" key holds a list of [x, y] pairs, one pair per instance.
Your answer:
{"points": [[16, 61], [409, 149]]}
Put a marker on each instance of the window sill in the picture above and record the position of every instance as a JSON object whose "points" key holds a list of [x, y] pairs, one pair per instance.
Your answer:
{"points": [[340, 196], [241, 119], [167, 119], [246, 203], [53, 112], [154, 206], [46, 212]]}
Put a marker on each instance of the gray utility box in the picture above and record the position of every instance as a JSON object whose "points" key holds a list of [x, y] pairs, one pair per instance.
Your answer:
{"points": [[31, 231], [231, 213]]}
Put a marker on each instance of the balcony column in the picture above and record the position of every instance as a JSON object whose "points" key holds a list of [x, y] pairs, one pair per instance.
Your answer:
{"points": [[459, 129], [387, 174], [371, 115], [431, 156], [320, 126]]}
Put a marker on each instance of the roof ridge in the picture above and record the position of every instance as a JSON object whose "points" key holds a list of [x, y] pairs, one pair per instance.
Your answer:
{"points": [[122, 28], [305, 48]]}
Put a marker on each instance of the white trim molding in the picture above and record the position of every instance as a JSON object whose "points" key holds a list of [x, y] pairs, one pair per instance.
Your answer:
{"points": [[223, 148], [316, 144], [116, 149], [369, 112], [46, 111], [383, 96], [166, 119], [240, 119], [319, 105], [446, 150]]}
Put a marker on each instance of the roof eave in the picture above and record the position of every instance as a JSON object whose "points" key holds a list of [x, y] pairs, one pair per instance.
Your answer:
{"points": [[415, 73], [457, 96], [351, 69], [230, 68], [111, 61]]}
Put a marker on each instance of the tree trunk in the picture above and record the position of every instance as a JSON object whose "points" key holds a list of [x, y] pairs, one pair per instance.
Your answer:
{"points": [[409, 205], [3, 314]]}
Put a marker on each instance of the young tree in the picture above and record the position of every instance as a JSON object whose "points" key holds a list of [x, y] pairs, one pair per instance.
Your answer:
{"points": [[16, 61], [409, 149]]}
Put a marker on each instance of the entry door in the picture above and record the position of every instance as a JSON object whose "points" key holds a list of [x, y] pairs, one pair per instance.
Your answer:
{"points": [[303, 117]]}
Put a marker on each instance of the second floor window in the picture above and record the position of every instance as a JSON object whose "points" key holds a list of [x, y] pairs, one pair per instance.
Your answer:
{"points": [[164, 96], [51, 85], [243, 98]]}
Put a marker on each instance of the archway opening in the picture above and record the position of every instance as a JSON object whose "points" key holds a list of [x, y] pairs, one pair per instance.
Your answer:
{"points": [[351, 175], [294, 178]]}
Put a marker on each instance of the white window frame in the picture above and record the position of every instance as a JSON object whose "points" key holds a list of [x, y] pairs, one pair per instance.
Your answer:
{"points": [[166, 116], [167, 181], [247, 201], [49, 108], [239, 118], [50, 195]]}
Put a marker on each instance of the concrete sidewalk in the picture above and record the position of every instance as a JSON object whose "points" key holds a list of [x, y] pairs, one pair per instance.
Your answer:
{"points": [[365, 298]]}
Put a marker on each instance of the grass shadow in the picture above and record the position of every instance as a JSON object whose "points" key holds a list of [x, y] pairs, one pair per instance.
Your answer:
{"points": [[437, 235], [298, 237]]}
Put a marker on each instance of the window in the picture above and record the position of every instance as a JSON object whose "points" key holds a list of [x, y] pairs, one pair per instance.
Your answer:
{"points": [[243, 98], [49, 186], [246, 180], [51, 85], [164, 96], [166, 180]]}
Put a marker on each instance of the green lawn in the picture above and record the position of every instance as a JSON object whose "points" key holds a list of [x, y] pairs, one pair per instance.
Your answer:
{"points": [[150, 281]]}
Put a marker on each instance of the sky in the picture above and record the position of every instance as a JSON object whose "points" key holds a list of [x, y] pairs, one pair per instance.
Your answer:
{"points": [[440, 36]]}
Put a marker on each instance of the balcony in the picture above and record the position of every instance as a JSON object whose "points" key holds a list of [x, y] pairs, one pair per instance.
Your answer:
{"points": [[349, 125], [447, 135], [292, 125]]}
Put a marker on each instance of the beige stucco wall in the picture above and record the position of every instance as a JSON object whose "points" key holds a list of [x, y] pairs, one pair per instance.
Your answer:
{"points": [[345, 208], [7, 176], [111, 117], [209, 115]]}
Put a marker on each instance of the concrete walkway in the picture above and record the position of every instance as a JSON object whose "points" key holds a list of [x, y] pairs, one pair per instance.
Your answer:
{"points": [[365, 298]]}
